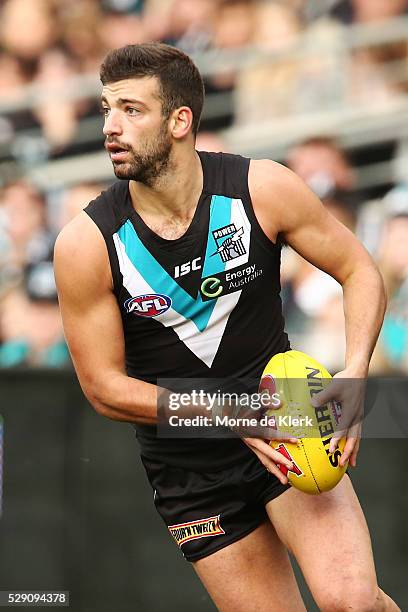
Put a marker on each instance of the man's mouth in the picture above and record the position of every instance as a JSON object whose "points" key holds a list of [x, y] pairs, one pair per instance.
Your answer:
{"points": [[116, 151]]}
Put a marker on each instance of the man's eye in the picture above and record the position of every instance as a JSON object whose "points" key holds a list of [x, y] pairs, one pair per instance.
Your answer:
{"points": [[104, 111], [132, 111]]}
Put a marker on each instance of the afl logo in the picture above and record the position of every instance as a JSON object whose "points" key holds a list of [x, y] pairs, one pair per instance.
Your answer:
{"points": [[149, 305]]}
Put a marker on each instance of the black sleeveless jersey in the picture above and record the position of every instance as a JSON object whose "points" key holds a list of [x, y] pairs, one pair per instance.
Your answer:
{"points": [[204, 306]]}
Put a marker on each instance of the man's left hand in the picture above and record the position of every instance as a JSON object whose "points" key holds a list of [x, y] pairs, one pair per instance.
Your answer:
{"points": [[348, 390]]}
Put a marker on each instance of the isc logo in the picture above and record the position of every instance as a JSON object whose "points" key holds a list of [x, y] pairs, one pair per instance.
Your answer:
{"points": [[149, 305], [187, 267]]}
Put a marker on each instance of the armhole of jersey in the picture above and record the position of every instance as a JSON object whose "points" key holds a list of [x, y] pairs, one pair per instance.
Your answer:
{"points": [[114, 264], [266, 242], [110, 247]]}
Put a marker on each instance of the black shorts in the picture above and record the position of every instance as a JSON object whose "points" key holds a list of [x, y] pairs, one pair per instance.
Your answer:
{"points": [[206, 511]]}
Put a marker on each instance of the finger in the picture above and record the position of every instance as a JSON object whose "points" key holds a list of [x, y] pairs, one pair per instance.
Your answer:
{"points": [[353, 458], [348, 449], [277, 457], [325, 395], [334, 442], [271, 454], [274, 469], [355, 432], [282, 437], [271, 467], [291, 440]]}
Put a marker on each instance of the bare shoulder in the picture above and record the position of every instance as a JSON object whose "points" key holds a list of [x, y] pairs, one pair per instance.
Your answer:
{"points": [[265, 173], [80, 253], [280, 198], [79, 236]]}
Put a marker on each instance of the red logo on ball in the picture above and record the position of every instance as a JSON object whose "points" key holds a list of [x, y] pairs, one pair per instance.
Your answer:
{"points": [[295, 470]]}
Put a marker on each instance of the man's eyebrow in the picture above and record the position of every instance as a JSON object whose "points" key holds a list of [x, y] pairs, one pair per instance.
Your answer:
{"points": [[124, 101]]}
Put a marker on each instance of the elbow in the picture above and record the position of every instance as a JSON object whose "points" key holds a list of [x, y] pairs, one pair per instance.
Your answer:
{"points": [[98, 398], [102, 409], [99, 406]]}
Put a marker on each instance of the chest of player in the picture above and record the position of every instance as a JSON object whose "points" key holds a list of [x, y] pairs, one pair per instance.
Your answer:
{"points": [[216, 258], [196, 285]]}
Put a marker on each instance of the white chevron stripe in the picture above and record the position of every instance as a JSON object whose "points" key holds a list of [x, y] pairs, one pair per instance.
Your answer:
{"points": [[204, 344]]}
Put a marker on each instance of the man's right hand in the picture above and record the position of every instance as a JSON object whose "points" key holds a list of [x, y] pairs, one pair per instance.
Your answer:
{"points": [[270, 457]]}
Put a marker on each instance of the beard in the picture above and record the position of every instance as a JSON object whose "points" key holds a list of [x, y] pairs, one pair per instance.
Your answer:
{"points": [[148, 166]]}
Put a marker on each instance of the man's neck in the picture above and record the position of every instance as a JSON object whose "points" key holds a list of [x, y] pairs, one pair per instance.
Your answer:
{"points": [[175, 193]]}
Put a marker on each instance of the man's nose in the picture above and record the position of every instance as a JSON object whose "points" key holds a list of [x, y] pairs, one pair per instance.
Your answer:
{"points": [[112, 124]]}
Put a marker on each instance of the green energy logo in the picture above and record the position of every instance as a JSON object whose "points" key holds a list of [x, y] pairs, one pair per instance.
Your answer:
{"points": [[211, 287]]}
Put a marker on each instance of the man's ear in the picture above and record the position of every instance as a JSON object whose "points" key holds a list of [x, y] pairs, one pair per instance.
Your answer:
{"points": [[181, 122]]}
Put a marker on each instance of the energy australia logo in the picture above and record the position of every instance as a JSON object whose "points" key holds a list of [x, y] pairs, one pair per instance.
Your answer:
{"points": [[229, 242]]}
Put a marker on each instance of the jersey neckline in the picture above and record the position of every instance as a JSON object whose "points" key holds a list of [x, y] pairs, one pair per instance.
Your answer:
{"points": [[146, 232]]}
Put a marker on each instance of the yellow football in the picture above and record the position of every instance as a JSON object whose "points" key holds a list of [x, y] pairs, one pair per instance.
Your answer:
{"points": [[296, 377]]}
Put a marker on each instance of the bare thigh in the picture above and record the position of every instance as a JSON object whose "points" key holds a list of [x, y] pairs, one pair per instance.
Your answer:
{"points": [[328, 535], [252, 574]]}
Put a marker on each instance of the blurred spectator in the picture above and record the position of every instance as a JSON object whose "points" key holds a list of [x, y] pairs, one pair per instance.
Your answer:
{"points": [[58, 116], [190, 24], [13, 78], [80, 35], [24, 227], [268, 89], [156, 18], [234, 24], [323, 165], [117, 29], [392, 350], [75, 199], [30, 323], [369, 71], [27, 29], [364, 11], [232, 31]]}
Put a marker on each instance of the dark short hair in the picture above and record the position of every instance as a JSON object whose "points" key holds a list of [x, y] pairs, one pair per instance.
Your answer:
{"points": [[180, 81]]}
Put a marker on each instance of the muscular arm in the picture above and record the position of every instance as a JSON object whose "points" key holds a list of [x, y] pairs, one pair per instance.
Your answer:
{"points": [[93, 326], [284, 205]]}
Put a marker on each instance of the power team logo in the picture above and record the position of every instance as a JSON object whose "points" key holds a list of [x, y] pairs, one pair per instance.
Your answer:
{"points": [[204, 528], [229, 243], [149, 305]]}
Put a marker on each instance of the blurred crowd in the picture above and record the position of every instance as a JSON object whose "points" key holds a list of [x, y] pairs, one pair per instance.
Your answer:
{"points": [[45, 44]]}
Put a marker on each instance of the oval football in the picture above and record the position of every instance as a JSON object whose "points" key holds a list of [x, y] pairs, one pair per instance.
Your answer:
{"points": [[297, 377]]}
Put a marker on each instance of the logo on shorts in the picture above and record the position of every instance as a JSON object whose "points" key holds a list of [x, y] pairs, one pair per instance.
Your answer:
{"points": [[229, 243], [149, 305], [204, 528]]}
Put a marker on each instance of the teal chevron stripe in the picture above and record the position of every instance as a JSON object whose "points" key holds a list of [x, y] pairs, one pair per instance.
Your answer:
{"points": [[220, 215], [156, 276]]}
